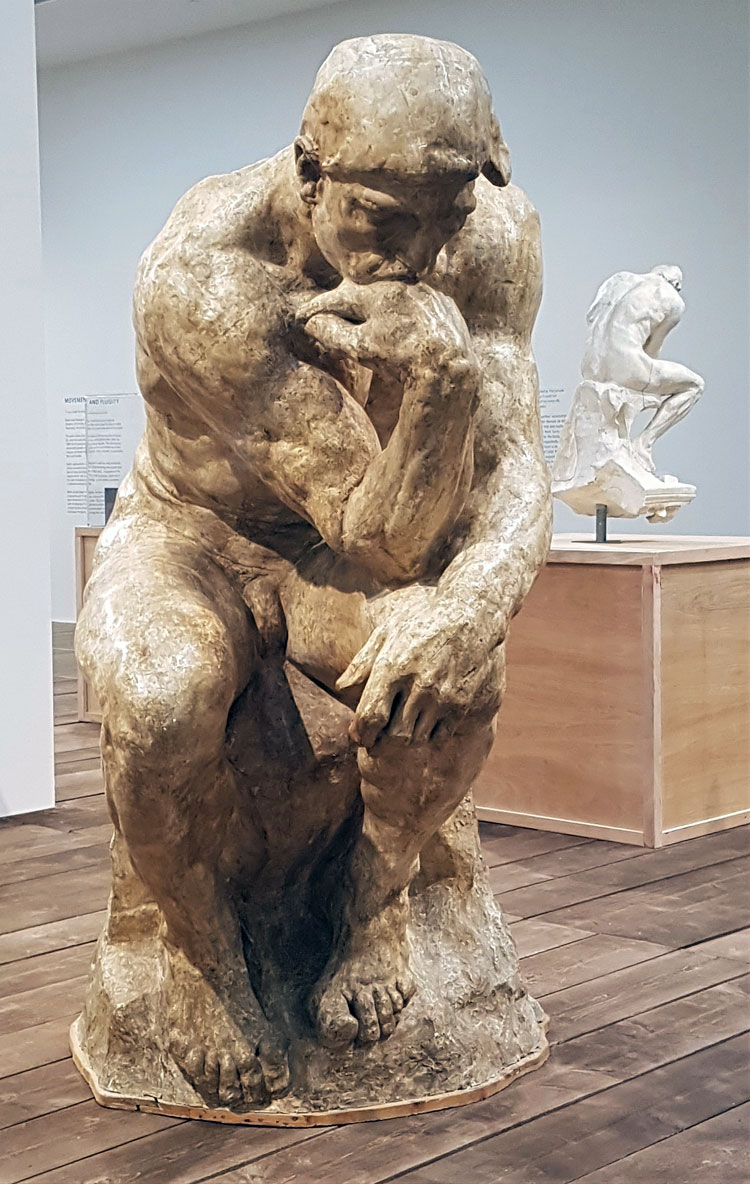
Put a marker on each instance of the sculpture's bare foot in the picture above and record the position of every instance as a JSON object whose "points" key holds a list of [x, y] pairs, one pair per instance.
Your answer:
{"points": [[228, 1052], [362, 994]]}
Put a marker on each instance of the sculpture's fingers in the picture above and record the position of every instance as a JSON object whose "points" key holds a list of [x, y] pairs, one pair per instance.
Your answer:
{"points": [[425, 725], [343, 301], [375, 707], [230, 1091], [361, 664], [405, 718], [275, 1064], [363, 1006], [384, 1009], [335, 335]]}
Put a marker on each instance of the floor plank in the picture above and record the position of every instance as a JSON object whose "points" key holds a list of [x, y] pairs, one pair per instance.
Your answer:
{"points": [[716, 1151], [31, 973], [731, 945], [534, 936], [678, 912], [580, 962], [78, 785], [75, 736], [39, 1005], [53, 898], [623, 993], [55, 935], [668, 863], [610, 1125], [506, 844], [41, 1091], [38, 1045], [182, 1154], [40, 1144], [58, 861]]}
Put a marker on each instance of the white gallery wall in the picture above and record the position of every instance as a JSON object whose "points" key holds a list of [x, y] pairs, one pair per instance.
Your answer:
{"points": [[627, 122], [25, 654]]}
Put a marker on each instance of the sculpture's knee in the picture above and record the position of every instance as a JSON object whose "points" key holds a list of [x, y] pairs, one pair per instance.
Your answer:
{"points": [[168, 727], [165, 711], [420, 784]]}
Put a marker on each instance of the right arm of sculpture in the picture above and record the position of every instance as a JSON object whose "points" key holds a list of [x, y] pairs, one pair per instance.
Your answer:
{"points": [[414, 340], [203, 321]]}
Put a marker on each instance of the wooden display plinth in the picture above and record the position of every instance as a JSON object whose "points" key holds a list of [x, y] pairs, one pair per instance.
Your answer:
{"points": [[627, 714], [87, 537]]}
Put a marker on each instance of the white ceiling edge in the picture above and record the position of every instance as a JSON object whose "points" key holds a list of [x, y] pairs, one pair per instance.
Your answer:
{"points": [[74, 30]]}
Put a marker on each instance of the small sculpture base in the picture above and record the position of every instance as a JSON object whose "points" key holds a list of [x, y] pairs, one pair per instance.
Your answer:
{"points": [[596, 462]]}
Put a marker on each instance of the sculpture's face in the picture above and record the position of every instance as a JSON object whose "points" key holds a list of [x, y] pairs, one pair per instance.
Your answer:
{"points": [[371, 228]]}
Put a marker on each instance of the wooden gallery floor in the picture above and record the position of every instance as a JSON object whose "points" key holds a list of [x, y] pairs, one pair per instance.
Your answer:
{"points": [[640, 959]]}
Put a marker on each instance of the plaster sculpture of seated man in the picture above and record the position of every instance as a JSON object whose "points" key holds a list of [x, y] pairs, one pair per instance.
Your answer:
{"points": [[296, 618], [598, 459]]}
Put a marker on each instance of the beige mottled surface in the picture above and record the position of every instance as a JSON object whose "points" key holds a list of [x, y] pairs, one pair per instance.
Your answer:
{"points": [[296, 617], [601, 459]]}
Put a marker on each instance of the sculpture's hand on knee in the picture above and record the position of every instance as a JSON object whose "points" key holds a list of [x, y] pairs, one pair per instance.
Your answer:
{"points": [[423, 668]]}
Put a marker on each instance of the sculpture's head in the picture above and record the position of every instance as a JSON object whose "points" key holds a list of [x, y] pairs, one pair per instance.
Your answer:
{"points": [[393, 137], [670, 273]]}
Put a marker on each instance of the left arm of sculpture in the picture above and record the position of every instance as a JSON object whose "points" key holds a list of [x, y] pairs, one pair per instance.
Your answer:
{"points": [[437, 645]]}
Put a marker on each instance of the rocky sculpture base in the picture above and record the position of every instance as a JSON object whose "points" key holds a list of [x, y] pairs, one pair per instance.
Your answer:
{"points": [[597, 464], [469, 1031]]}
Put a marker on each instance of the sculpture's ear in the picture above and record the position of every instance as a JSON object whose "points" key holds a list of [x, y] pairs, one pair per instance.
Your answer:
{"points": [[308, 168], [497, 166]]}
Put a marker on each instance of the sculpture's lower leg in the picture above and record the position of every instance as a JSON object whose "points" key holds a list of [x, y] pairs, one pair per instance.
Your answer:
{"points": [[177, 819], [409, 790], [680, 396]]}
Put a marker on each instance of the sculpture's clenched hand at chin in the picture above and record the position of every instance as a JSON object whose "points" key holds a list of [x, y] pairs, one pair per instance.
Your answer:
{"points": [[296, 620]]}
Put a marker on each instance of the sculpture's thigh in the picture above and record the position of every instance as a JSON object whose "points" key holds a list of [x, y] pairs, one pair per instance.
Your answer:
{"points": [[672, 378], [167, 644], [329, 614]]}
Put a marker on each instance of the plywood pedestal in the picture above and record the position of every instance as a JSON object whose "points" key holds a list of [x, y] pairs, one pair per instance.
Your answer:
{"points": [[627, 714]]}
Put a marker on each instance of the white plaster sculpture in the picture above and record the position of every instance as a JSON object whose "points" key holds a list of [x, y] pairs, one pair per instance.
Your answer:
{"points": [[598, 461]]}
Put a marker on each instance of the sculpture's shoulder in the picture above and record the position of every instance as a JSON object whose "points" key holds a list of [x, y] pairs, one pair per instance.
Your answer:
{"points": [[629, 297], [494, 264], [219, 212]]}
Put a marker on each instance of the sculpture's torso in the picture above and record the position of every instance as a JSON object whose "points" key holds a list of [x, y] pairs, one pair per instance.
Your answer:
{"points": [[196, 456]]}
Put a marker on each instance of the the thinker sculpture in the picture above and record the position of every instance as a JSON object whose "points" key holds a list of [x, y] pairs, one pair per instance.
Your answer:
{"points": [[599, 461], [295, 623]]}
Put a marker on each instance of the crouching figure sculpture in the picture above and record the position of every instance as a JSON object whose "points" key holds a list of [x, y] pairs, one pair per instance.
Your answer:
{"points": [[599, 460], [295, 623]]}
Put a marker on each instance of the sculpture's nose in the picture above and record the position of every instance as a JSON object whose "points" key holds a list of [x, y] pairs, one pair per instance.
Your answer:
{"points": [[419, 253]]}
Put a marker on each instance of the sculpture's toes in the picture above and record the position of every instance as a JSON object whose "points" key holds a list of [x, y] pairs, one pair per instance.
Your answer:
{"points": [[236, 1079], [378, 1007], [366, 1012], [274, 1063], [335, 1024], [213, 1075]]}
